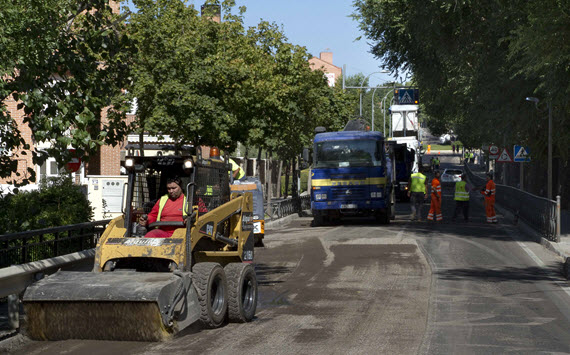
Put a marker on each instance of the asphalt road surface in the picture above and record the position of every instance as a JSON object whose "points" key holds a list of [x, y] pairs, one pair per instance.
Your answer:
{"points": [[356, 287]]}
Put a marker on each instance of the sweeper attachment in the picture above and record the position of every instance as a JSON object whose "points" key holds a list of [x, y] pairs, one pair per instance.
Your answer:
{"points": [[148, 289]]}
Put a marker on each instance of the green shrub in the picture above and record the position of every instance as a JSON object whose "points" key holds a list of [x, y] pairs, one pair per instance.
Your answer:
{"points": [[58, 202], [304, 180]]}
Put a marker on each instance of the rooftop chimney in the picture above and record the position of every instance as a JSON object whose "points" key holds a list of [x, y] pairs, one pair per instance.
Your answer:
{"points": [[327, 57]]}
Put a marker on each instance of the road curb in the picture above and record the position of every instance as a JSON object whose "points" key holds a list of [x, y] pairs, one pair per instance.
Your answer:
{"points": [[537, 237], [275, 224]]}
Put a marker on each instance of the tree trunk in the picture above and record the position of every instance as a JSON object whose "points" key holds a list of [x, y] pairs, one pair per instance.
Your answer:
{"points": [[287, 172], [279, 178], [269, 185], [295, 192], [246, 160], [258, 163]]}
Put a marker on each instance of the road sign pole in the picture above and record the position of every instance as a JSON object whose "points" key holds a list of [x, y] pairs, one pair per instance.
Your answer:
{"points": [[557, 218], [521, 178], [549, 192]]}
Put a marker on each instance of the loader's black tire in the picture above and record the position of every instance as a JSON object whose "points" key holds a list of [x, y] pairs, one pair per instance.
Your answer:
{"points": [[242, 292], [211, 285]]}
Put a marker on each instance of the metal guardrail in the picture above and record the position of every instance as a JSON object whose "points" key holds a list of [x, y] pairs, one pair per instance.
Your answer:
{"points": [[16, 278], [540, 213], [286, 207], [40, 244]]}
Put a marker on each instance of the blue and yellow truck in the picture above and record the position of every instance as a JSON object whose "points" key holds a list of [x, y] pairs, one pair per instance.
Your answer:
{"points": [[351, 175]]}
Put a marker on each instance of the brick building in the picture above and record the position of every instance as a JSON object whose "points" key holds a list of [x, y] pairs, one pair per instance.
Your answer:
{"points": [[325, 63]]}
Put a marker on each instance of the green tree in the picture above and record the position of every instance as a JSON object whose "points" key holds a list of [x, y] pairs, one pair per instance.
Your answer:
{"points": [[220, 83], [194, 79], [476, 61], [64, 63]]}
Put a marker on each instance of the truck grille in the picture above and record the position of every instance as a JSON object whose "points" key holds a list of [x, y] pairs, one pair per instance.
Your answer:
{"points": [[349, 192]]}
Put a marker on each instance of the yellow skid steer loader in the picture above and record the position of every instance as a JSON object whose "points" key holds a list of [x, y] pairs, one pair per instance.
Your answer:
{"points": [[148, 289]]}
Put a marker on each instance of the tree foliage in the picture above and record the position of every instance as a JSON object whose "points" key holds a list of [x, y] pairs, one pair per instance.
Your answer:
{"points": [[192, 78], [64, 63], [219, 83], [475, 61]]}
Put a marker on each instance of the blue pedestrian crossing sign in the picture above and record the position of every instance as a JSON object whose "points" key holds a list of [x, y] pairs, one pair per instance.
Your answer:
{"points": [[404, 96], [522, 154]]}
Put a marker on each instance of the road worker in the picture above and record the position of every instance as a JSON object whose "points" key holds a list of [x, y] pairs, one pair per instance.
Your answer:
{"points": [[489, 193], [236, 172], [461, 198], [417, 193], [169, 208], [435, 207]]}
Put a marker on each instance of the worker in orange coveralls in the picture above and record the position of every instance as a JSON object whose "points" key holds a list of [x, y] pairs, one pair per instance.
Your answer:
{"points": [[435, 207], [489, 193]]}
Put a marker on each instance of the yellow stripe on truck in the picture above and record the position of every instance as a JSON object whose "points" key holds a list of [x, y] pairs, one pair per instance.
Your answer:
{"points": [[349, 182]]}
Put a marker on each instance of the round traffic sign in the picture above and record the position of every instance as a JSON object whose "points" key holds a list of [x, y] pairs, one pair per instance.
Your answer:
{"points": [[74, 164], [493, 149]]}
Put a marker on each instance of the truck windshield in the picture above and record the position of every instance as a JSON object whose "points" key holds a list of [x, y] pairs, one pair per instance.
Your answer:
{"points": [[348, 153]]}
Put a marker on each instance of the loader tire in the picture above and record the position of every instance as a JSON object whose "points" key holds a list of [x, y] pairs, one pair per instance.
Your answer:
{"points": [[210, 282], [242, 292]]}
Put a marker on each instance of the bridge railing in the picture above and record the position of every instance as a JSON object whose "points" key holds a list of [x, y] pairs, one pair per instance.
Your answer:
{"points": [[40, 244], [24, 247], [542, 214], [286, 207]]}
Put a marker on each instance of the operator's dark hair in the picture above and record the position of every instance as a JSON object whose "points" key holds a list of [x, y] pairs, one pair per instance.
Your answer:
{"points": [[174, 179]]}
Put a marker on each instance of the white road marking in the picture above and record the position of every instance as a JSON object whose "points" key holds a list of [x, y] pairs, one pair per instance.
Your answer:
{"points": [[539, 262]]}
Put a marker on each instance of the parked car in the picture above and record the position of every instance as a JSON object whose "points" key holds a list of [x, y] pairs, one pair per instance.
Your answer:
{"points": [[451, 175], [445, 139]]}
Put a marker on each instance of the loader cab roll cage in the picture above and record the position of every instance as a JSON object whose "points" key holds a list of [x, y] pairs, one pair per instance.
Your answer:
{"points": [[205, 180]]}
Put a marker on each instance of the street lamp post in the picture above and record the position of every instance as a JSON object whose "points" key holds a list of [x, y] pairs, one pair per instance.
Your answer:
{"points": [[384, 103], [384, 107], [362, 83], [549, 106]]}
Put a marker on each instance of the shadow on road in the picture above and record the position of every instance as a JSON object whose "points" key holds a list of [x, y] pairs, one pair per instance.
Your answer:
{"points": [[507, 273]]}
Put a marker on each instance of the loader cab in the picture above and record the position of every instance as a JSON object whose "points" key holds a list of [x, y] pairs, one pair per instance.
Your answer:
{"points": [[205, 183]]}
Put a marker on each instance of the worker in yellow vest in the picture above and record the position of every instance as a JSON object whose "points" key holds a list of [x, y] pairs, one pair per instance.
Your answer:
{"points": [[237, 172], [461, 198], [417, 193]]}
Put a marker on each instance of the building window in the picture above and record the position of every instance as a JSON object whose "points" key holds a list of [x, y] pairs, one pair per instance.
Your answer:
{"points": [[49, 169]]}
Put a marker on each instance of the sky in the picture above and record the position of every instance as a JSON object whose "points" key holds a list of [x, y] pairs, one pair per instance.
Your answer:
{"points": [[320, 26]]}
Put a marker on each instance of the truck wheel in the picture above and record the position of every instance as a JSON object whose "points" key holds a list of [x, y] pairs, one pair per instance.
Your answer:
{"points": [[383, 217], [242, 292], [317, 221], [210, 282]]}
